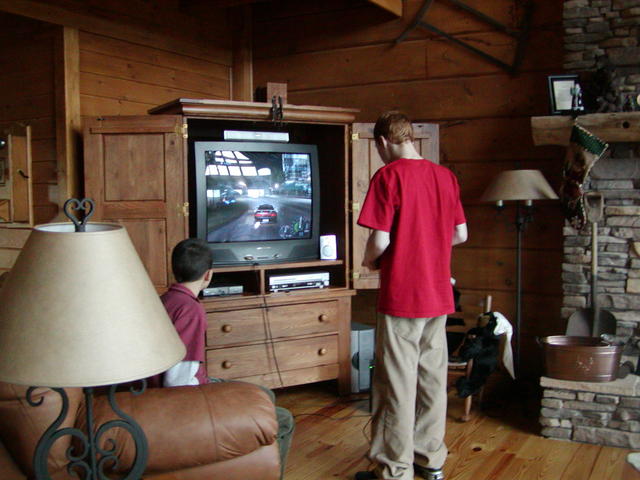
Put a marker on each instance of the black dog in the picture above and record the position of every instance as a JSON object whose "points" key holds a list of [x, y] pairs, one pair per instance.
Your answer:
{"points": [[483, 346]]}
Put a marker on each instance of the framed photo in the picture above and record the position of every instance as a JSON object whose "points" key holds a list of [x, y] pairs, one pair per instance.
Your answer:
{"points": [[565, 94], [3, 168]]}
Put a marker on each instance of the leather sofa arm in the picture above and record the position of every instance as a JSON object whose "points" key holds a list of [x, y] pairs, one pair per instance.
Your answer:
{"points": [[193, 425]]}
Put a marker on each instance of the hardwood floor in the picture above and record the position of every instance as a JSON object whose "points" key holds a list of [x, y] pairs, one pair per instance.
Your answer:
{"points": [[499, 443]]}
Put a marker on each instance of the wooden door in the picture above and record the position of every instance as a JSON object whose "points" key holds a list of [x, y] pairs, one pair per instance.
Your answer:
{"points": [[16, 190], [365, 161], [135, 173]]}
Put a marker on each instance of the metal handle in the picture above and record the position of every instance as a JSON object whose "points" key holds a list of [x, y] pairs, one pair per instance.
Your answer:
{"points": [[324, 317], [322, 351], [227, 328], [226, 364]]}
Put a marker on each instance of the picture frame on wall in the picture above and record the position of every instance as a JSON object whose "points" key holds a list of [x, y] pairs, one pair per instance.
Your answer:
{"points": [[565, 94]]}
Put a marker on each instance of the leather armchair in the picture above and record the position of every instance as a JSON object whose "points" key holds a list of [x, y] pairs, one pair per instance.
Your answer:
{"points": [[220, 430]]}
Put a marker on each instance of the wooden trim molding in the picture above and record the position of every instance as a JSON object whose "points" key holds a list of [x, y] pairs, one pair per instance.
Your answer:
{"points": [[609, 127], [68, 119], [254, 111], [242, 70]]}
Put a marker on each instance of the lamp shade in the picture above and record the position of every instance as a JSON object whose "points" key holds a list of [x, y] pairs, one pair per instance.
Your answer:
{"points": [[518, 185], [78, 310]]}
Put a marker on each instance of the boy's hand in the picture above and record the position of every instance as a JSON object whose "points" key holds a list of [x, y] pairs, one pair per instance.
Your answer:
{"points": [[371, 265]]}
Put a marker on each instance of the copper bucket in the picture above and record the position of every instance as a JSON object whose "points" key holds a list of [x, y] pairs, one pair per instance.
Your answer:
{"points": [[581, 359]]}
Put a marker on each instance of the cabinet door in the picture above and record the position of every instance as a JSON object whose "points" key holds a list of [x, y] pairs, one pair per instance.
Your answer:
{"points": [[365, 162], [135, 173]]}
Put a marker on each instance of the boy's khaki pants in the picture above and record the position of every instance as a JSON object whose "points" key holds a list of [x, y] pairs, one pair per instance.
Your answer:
{"points": [[409, 395]]}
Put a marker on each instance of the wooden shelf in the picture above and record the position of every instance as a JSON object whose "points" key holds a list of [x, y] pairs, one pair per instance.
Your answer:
{"points": [[278, 266], [609, 127]]}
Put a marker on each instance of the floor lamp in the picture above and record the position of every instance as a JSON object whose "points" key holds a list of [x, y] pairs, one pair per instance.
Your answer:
{"points": [[523, 186], [78, 310]]}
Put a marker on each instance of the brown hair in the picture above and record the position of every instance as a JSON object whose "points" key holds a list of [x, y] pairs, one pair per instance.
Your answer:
{"points": [[394, 126]]}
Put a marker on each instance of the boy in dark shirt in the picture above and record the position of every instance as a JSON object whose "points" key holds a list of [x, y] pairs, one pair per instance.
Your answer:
{"points": [[191, 261]]}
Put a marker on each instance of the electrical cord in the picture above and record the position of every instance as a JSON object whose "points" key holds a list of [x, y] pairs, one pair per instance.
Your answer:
{"points": [[267, 324]]}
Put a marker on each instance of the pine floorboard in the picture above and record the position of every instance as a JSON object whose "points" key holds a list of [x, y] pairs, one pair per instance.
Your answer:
{"points": [[500, 442]]}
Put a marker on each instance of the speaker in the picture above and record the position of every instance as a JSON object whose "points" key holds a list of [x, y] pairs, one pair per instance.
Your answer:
{"points": [[362, 355], [328, 249]]}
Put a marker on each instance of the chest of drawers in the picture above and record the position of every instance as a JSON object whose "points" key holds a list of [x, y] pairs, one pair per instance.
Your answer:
{"points": [[281, 339]]}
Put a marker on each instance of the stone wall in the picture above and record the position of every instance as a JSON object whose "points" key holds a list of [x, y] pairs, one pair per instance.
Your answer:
{"points": [[601, 413], [617, 178], [601, 33]]}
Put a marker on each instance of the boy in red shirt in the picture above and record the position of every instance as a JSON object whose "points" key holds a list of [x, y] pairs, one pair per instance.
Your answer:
{"points": [[413, 207]]}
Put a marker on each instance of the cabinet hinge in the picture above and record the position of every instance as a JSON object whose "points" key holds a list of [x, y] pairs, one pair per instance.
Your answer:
{"points": [[184, 209], [355, 275], [355, 206], [185, 131], [355, 136]]}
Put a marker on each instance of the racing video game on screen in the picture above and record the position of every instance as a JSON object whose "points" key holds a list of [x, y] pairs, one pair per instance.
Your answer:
{"points": [[255, 196]]}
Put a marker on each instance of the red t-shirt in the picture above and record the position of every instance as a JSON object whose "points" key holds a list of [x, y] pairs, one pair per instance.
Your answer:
{"points": [[418, 202], [189, 319]]}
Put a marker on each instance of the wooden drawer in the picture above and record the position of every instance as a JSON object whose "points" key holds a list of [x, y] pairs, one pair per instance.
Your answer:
{"points": [[249, 325], [244, 361], [238, 326], [303, 319], [307, 352]]}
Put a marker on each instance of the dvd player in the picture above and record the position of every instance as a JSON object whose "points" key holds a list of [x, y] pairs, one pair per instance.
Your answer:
{"points": [[283, 283], [219, 290]]}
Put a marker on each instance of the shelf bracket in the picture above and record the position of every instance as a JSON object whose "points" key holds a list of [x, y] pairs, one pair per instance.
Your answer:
{"points": [[521, 34]]}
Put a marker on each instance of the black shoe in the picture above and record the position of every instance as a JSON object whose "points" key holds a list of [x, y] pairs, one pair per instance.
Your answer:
{"points": [[366, 475], [428, 473]]}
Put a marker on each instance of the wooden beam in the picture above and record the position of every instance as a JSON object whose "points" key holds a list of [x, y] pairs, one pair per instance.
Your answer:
{"points": [[609, 127], [242, 70], [393, 6], [68, 120]]}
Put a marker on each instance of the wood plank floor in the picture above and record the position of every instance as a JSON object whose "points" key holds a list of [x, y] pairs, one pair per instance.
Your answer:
{"points": [[500, 443]]}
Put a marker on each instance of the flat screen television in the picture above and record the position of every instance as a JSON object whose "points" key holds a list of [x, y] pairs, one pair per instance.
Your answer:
{"points": [[257, 202]]}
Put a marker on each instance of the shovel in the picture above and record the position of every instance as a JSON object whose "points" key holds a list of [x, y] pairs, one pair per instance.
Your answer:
{"points": [[592, 321]]}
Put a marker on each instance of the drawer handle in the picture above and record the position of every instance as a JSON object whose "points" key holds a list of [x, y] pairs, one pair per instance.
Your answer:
{"points": [[227, 328], [324, 317], [226, 364], [322, 351]]}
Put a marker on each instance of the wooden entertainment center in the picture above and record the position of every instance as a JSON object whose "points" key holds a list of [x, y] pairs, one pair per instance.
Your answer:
{"points": [[136, 170]]}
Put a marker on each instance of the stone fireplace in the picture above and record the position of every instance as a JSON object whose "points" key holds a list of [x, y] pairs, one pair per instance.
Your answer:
{"points": [[603, 35]]}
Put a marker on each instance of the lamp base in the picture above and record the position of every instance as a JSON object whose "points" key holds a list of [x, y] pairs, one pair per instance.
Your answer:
{"points": [[91, 455]]}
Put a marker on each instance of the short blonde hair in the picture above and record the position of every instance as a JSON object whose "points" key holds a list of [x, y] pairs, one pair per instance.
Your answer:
{"points": [[394, 126]]}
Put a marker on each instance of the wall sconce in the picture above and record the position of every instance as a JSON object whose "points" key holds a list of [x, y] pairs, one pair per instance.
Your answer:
{"points": [[522, 186]]}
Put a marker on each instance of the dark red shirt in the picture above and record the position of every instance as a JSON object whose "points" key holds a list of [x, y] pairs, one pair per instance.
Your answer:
{"points": [[418, 202], [189, 319]]}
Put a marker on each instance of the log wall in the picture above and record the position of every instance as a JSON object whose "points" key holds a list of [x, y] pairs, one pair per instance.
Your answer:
{"points": [[343, 53], [63, 60], [28, 96]]}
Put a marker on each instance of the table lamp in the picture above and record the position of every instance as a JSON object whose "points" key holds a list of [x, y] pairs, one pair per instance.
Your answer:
{"points": [[78, 310], [523, 186]]}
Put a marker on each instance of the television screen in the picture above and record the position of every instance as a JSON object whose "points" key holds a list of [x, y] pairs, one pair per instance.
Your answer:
{"points": [[256, 194]]}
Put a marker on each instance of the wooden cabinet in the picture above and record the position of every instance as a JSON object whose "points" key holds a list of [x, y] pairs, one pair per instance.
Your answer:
{"points": [[134, 170], [137, 172], [365, 162], [282, 339]]}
